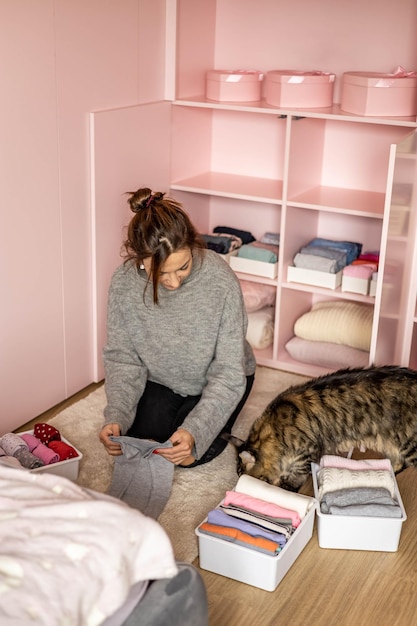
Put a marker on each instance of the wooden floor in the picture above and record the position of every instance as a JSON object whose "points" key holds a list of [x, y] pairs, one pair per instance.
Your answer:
{"points": [[324, 587], [331, 587]]}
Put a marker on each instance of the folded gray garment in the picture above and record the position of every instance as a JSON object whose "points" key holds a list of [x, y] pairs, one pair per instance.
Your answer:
{"points": [[368, 510], [27, 459], [356, 496], [328, 253], [313, 262], [140, 478]]}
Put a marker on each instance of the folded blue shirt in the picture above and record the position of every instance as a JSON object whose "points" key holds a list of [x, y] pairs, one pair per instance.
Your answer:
{"points": [[351, 248]]}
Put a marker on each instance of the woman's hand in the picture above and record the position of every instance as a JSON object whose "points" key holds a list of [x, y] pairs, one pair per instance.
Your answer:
{"points": [[111, 430], [182, 446]]}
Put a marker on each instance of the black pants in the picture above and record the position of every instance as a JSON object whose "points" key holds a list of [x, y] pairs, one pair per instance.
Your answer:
{"points": [[160, 412]]}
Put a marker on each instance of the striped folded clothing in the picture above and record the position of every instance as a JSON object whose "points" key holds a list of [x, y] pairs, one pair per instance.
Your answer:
{"points": [[220, 518], [277, 525]]}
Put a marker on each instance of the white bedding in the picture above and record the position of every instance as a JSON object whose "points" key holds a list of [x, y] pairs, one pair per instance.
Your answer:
{"points": [[69, 556]]}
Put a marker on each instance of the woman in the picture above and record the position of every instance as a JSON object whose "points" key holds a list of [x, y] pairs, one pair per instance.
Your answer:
{"points": [[177, 363]]}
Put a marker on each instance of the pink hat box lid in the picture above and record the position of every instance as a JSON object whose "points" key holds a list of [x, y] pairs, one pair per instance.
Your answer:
{"points": [[297, 77], [234, 76], [381, 80]]}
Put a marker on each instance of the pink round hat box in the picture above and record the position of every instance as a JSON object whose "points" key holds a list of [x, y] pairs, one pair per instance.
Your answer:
{"points": [[234, 86], [375, 93], [295, 89]]}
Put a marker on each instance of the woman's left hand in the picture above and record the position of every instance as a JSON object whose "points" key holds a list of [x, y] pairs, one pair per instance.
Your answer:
{"points": [[181, 451]]}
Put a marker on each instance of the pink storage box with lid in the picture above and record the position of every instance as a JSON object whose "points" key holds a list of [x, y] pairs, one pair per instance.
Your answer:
{"points": [[291, 88], [234, 86], [374, 93]]}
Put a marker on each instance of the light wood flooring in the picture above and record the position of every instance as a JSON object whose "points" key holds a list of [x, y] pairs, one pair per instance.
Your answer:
{"points": [[323, 587]]}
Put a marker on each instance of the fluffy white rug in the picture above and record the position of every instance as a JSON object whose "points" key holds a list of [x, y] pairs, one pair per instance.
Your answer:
{"points": [[195, 491]]}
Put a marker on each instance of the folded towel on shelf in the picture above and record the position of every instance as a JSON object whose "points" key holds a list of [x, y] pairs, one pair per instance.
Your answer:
{"points": [[256, 253], [362, 270], [317, 263], [260, 331], [328, 253]]}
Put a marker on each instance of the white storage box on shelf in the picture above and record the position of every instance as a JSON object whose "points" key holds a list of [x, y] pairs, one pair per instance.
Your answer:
{"points": [[250, 566], [352, 284], [291, 88], [69, 468], [226, 257], [374, 93], [234, 86], [314, 277], [372, 285], [342, 532], [251, 266]]}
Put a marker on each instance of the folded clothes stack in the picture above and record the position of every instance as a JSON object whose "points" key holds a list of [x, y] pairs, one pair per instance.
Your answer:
{"points": [[362, 488], [31, 451], [363, 267], [327, 255], [226, 239], [257, 515]]}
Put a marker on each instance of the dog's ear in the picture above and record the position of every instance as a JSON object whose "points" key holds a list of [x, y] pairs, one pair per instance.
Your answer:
{"points": [[247, 459], [235, 441]]}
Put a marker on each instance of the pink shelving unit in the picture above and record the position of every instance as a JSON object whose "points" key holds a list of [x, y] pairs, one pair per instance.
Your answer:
{"points": [[304, 173]]}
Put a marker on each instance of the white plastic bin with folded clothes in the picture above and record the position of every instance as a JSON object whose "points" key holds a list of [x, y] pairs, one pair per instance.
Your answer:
{"points": [[256, 533], [359, 504]]}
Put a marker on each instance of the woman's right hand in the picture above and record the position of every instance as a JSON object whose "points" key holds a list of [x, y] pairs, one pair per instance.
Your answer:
{"points": [[111, 430]]}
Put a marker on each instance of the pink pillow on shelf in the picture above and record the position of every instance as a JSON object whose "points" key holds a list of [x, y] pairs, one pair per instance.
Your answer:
{"points": [[256, 295], [326, 354]]}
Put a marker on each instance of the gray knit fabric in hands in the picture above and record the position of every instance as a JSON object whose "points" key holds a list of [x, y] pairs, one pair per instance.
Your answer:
{"points": [[193, 341], [141, 478]]}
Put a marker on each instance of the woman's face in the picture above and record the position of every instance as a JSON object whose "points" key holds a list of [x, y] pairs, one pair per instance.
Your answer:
{"points": [[175, 269]]}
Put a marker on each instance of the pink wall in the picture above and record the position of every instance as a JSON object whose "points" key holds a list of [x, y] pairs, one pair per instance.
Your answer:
{"points": [[59, 60]]}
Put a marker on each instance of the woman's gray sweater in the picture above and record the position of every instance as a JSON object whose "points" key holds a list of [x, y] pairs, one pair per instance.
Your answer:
{"points": [[193, 341]]}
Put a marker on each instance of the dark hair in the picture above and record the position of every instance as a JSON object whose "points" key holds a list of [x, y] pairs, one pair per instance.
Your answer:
{"points": [[159, 227]]}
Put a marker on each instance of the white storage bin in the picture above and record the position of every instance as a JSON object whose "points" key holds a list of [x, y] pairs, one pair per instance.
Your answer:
{"points": [[226, 257], [69, 468], [251, 266], [381, 534], [252, 567], [372, 285], [314, 277], [352, 284]]}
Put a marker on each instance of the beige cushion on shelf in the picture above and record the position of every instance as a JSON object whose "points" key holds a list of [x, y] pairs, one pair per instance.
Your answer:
{"points": [[340, 322], [260, 333]]}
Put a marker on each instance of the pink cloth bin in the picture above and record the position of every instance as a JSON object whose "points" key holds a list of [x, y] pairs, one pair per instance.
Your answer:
{"points": [[374, 93], [291, 88], [234, 86]]}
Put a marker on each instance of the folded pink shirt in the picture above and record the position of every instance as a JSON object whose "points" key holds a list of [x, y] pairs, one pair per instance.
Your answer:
{"points": [[365, 270], [261, 506], [329, 460], [38, 449]]}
